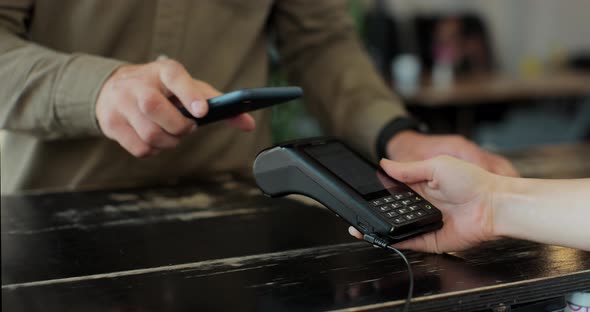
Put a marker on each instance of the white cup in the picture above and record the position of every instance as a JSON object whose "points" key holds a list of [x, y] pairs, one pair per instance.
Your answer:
{"points": [[406, 74], [578, 302]]}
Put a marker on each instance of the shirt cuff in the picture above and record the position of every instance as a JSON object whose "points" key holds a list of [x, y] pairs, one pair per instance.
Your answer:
{"points": [[392, 128], [77, 93]]}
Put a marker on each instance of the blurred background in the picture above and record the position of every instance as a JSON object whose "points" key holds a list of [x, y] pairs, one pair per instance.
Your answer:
{"points": [[506, 74]]}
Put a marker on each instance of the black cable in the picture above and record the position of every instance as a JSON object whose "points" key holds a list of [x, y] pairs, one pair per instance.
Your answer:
{"points": [[410, 276], [383, 243]]}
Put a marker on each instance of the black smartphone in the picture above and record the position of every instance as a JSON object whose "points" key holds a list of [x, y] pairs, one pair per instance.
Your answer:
{"points": [[241, 101], [355, 189]]}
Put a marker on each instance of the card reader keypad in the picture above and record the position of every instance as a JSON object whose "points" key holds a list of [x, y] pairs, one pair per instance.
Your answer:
{"points": [[403, 207]]}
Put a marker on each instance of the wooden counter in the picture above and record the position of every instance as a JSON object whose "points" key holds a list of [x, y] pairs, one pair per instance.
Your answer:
{"points": [[223, 246]]}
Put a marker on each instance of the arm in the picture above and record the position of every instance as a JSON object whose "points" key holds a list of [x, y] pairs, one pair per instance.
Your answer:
{"points": [[479, 206], [52, 94], [321, 52], [44, 92], [548, 211]]}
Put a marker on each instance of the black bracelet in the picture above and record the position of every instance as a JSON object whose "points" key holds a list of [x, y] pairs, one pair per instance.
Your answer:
{"points": [[394, 127]]}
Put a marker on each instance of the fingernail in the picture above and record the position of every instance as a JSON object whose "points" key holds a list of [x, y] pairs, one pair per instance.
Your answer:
{"points": [[350, 231], [198, 108]]}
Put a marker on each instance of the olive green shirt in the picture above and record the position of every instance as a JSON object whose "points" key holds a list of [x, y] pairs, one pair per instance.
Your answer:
{"points": [[56, 55]]}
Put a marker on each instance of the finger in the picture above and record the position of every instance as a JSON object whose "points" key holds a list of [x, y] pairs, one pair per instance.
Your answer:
{"points": [[157, 108], [148, 131], [354, 232], [408, 172], [130, 140], [179, 82], [243, 122], [422, 243], [207, 90]]}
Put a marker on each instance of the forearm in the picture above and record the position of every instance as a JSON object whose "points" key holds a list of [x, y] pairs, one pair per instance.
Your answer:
{"points": [[48, 93], [546, 211]]}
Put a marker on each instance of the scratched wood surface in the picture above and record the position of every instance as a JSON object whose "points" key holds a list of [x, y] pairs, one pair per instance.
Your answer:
{"points": [[223, 246]]}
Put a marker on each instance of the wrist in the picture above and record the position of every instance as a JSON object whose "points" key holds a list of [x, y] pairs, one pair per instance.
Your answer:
{"points": [[400, 140], [506, 196], [393, 130]]}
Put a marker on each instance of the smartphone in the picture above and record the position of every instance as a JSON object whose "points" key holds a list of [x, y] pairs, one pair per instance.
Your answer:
{"points": [[241, 101], [355, 189]]}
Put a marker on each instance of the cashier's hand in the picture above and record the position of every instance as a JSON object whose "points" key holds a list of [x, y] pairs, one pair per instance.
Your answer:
{"points": [[462, 191], [413, 146], [134, 108]]}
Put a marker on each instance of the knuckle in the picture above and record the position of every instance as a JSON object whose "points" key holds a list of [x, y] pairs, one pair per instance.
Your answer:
{"points": [[152, 134], [167, 62], [405, 175], [171, 68], [110, 122], [150, 103]]}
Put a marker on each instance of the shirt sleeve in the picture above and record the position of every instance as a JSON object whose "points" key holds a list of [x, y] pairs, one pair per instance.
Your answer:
{"points": [[320, 49], [46, 93]]}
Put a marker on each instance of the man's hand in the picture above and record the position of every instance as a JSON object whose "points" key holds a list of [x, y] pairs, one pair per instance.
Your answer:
{"points": [[462, 191], [413, 146], [134, 108]]}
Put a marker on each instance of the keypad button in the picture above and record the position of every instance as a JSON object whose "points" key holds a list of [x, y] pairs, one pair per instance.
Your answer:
{"points": [[383, 208], [410, 216], [413, 208], [391, 214], [377, 202], [428, 208], [387, 199], [406, 202], [402, 210], [420, 213], [395, 205], [417, 199], [399, 220], [410, 194], [399, 196]]}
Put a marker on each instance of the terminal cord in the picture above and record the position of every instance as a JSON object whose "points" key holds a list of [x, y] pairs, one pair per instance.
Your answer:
{"points": [[386, 244]]}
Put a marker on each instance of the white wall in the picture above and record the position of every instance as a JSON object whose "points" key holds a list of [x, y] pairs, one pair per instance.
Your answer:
{"points": [[519, 28]]}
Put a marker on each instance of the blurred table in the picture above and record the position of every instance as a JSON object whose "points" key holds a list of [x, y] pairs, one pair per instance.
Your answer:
{"points": [[223, 246], [567, 161], [497, 88]]}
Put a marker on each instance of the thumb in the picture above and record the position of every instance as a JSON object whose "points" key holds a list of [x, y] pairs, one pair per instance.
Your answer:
{"points": [[408, 172]]}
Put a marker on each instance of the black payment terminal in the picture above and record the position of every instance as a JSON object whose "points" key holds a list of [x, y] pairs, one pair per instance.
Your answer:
{"points": [[241, 101], [358, 191]]}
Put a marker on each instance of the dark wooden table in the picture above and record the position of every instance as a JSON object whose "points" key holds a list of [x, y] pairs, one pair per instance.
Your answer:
{"points": [[223, 246]]}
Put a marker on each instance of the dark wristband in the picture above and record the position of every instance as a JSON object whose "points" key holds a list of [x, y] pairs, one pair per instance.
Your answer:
{"points": [[394, 127]]}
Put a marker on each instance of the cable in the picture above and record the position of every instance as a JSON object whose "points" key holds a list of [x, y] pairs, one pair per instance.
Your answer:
{"points": [[383, 243]]}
